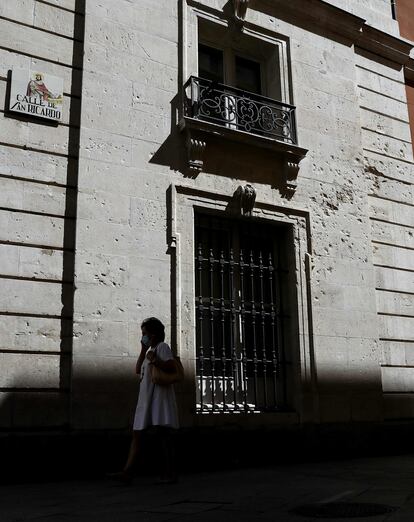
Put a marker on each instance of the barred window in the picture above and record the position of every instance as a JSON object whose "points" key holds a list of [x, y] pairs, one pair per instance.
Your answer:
{"points": [[240, 278]]}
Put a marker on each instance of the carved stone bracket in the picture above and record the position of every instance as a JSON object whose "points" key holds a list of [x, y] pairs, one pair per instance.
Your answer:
{"points": [[199, 134], [240, 10], [245, 197], [291, 174], [195, 152]]}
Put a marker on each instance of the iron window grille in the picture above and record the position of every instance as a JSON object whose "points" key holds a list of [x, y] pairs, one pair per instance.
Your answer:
{"points": [[227, 106], [240, 357]]}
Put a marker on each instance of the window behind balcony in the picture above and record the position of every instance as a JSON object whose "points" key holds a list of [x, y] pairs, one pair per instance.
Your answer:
{"points": [[230, 88], [210, 63], [248, 75], [241, 72]]}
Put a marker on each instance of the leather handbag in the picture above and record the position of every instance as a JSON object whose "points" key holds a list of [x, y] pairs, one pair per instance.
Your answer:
{"points": [[163, 378]]}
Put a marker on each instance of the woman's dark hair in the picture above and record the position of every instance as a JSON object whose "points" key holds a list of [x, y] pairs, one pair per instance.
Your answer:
{"points": [[155, 327]]}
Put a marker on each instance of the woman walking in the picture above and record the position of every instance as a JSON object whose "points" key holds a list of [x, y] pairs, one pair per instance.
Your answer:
{"points": [[156, 407]]}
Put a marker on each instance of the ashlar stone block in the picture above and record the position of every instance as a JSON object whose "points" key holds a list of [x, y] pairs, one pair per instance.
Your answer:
{"points": [[383, 104], [104, 206], [21, 296], [29, 370], [398, 235], [382, 144], [31, 229], [381, 84], [392, 327], [48, 46], [102, 338], [60, 21], [103, 269], [398, 303], [31, 333], [19, 11]]}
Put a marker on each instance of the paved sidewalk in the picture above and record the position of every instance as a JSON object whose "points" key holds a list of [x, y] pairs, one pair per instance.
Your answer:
{"points": [[246, 495]]}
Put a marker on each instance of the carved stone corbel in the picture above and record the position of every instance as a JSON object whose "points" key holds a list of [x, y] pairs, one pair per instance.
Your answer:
{"points": [[195, 153], [240, 10], [291, 170], [245, 197]]}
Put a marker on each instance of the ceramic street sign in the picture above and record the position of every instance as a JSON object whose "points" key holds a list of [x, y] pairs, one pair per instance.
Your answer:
{"points": [[36, 94]]}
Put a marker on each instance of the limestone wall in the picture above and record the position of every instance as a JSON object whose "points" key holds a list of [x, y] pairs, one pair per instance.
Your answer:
{"points": [[377, 13], [122, 267], [38, 176], [388, 160], [86, 211], [131, 152]]}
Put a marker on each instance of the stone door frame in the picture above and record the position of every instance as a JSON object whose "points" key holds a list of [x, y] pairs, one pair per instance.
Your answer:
{"points": [[184, 201]]}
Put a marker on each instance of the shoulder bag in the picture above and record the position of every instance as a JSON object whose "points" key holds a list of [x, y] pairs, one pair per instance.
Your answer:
{"points": [[163, 378]]}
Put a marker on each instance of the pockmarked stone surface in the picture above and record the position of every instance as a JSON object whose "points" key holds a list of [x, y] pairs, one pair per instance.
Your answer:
{"points": [[98, 215]]}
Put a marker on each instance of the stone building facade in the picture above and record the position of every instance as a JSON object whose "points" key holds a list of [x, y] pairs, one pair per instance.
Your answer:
{"points": [[242, 170]]}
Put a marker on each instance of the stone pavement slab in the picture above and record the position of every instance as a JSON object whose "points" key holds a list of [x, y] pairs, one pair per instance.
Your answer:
{"points": [[243, 495]]}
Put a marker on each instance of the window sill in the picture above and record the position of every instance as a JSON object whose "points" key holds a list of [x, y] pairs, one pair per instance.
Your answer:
{"points": [[251, 419]]}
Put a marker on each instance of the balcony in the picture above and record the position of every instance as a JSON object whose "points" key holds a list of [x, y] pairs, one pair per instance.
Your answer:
{"points": [[240, 110], [211, 108]]}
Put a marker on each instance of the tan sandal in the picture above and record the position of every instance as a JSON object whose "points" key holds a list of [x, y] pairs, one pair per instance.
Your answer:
{"points": [[124, 477]]}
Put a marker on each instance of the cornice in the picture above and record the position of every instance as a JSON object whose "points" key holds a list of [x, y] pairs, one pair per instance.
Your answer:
{"points": [[381, 43], [325, 16], [313, 13], [409, 70]]}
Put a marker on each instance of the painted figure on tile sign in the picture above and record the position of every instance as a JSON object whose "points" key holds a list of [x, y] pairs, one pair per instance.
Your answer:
{"points": [[37, 88]]}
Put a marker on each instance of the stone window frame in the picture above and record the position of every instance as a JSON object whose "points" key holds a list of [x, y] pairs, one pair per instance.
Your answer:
{"points": [[194, 13], [198, 133], [185, 200]]}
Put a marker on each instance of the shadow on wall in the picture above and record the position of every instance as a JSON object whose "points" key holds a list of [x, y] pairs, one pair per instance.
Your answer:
{"points": [[226, 159], [64, 320], [37, 434], [38, 440], [223, 158], [71, 202]]}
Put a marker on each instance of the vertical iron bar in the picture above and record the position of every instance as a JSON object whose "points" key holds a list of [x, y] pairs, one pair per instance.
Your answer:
{"points": [[292, 116], [253, 312], [223, 327], [212, 352], [192, 97], [233, 327], [263, 324], [281, 342], [272, 319], [243, 329], [201, 319]]}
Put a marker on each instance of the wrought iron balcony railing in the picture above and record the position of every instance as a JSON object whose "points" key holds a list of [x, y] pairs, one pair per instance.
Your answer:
{"points": [[236, 109]]}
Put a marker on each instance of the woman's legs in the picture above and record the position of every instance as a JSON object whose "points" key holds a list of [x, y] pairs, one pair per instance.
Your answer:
{"points": [[168, 453], [125, 475], [134, 450]]}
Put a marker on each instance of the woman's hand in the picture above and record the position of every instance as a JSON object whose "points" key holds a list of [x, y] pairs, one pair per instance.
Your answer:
{"points": [[140, 360]]}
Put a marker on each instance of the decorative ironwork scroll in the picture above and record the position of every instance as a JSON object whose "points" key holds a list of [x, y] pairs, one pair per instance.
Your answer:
{"points": [[240, 110]]}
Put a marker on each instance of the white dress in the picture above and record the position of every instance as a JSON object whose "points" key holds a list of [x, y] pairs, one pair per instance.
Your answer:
{"points": [[156, 404]]}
